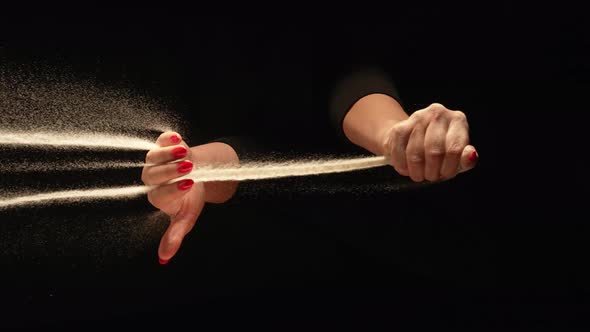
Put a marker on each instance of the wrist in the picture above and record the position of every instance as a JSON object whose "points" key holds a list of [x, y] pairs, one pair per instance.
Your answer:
{"points": [[216, 153], [370, 120], [383, 137]]}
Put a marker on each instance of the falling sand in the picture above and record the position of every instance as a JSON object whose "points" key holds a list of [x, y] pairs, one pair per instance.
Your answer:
{"points": [[65, 166], [74, 195], [74, 139], [55, 112], [67, 141], [50, 101]]}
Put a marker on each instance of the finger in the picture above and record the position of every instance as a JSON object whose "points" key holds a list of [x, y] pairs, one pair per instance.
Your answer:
{"points": [[164, 155], [456, 141], [399, 137], [162, 196], [181, 225], [469, 159], [152, 175], [434, 145], [415, 153], [169, 138]]}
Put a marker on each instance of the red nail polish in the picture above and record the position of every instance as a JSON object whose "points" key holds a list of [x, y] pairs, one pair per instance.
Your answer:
{"points": [[473, 156], [184, 166], [175, 139], [185, 184], [163, 261], [179, 152]]}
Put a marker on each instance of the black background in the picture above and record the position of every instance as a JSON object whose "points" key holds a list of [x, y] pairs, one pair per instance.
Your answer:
{"points": [[501, 245]]}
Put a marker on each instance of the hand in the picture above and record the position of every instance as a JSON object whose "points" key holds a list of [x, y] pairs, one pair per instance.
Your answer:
{"points": [[432, 144], [183, 200]]}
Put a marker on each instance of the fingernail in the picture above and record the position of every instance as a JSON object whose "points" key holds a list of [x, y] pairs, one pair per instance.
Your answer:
{"points": [[184, 166], [185, 184], [473, 156], [163, 261], [175, 139], [179, 152]]}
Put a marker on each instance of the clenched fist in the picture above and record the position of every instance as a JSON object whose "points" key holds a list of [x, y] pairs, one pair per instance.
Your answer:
{"points": [[432, 144]]}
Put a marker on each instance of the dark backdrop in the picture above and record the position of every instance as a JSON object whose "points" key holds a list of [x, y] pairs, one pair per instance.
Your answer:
{"points": [[499, 245]]}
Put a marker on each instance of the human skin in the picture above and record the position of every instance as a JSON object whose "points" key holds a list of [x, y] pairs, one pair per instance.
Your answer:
{"points": [[430, 145], [184, 200]]}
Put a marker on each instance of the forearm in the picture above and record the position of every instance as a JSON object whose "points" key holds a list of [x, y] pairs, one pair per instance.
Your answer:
{"points": [[369, 119], [216, 152]]}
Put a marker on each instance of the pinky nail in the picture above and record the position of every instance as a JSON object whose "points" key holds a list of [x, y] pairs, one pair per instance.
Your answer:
{"points": [[473, 156], [185, 184], [163, 261], [174, 139]]}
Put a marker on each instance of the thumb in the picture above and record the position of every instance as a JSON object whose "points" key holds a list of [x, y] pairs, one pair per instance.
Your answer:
{"points": [[469, 158], [180, 225], [172, 239]]}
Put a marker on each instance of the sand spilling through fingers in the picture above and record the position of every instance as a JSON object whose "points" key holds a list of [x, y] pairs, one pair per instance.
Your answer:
{"points": [[249, 171], [66, 141], [56, 112]]}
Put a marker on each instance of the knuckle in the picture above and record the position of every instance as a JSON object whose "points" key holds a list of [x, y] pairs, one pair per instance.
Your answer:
{"points": [[460, 116], [436, 107], [436, 153], [398, 130], [149, 156], [399, 135], [415, 158], [419, 115], [455, 149], [437, 112]]}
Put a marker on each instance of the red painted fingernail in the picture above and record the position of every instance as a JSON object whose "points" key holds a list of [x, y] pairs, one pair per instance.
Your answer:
{"points": [[185, 184], [163, 261], [184, 166], [473, 156], [179, 152], [175, 139]]}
